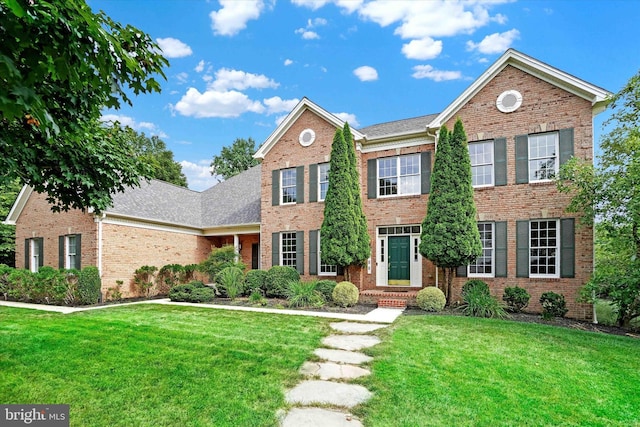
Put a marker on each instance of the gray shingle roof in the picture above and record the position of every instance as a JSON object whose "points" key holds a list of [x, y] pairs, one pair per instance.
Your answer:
{"points": [[415, 124], [232, 202]]}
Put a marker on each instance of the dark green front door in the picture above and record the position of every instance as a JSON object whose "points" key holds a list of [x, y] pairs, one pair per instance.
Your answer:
{"points": [[399, 255]]}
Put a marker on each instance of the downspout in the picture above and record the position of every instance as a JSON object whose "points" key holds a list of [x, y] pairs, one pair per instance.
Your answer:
{"points": [[593, 249], [100, 244]]}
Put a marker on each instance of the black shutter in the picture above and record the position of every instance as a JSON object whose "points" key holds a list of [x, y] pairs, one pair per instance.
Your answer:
{"points": [[40, 252], [522, 248], [461, 271], [425, 172], [78, 251], [565, 137], [500, 161], [275, 187], [300, 251], [340, 270], [275, 249], [61, 245], [567, 247], [500, 238], [372, 177], [27, 250], [313, 252], [313, 183], [300, 184], [522, 159]]}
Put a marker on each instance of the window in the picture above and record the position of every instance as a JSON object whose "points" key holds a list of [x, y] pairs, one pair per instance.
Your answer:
{"points": [[543, 248], [72, 252], [483, 265], [288, 187], [481, 155], [399, 175], [288, 249], [323, 180], [543, 157], [35, 255], [325, 269]]}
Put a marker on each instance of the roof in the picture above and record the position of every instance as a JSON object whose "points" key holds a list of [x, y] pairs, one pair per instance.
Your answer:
{"points": [[398, 127]]}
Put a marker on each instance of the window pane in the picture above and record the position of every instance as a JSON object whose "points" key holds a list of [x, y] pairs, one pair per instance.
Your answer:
{"points": [[410, 184], [288, 185], [288, 249], [323, 179], [483, 265], [543, 248], [481, 155], [543, 154]]}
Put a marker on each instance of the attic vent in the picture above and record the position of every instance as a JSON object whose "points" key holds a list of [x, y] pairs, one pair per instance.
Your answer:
{"points": [[307, 137], [509, 101]]}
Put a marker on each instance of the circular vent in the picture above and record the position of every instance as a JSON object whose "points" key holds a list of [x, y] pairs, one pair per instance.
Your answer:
{"points": [[307, 137], [509, 101]]}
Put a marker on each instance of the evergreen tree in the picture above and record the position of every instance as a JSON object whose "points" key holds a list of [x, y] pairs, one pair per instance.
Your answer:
{"points": [[363, 246], [450, 236]]}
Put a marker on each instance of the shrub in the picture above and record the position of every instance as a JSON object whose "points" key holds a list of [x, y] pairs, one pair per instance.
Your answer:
{"points": [[114, 293], [194, 291], [5, 285], [474, 283], [255, 280], [143, 278], [278, 277], [21, 285], [50, 286], [257, 298], [231, 281], [431, 299], [89, 284], [516, 298], [188, 273], [219, 259], [553, 305], [479, 303], [325, 287], [304, 294], [345, 294], [169, 276]]}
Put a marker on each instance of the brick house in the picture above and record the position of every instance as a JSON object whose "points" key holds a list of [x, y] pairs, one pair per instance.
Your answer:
{"points": [[523, 118]]}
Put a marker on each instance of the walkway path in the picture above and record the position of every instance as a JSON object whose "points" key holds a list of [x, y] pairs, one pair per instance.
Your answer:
{"points": [[327, 383]]}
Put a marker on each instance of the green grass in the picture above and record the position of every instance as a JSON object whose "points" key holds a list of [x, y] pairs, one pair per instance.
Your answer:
{"points": [[148, 365], [458, 371]]}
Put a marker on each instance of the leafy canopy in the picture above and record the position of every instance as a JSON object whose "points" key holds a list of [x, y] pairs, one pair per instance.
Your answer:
{"points": [[60, 65], [235, 159]]}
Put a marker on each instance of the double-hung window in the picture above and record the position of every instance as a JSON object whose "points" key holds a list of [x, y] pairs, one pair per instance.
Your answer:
{"points": [[481, 155], [36, 253], [543, 156], [398, 176], [543, 248], [325, 269], [483, 266], [323, 180], [288, 249], [288, 186]]}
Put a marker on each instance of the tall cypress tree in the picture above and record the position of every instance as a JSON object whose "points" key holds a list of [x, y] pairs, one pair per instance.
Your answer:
{"points": [[450, 236], [363, 245]]}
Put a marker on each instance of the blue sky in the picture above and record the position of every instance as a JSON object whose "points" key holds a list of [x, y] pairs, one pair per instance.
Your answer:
{"points": [[238, 67]]}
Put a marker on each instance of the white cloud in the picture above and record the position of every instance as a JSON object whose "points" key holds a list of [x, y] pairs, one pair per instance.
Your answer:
{"points": [[148, 127], [279, 105], [287, 62], [366, 73], [280, 119], [428, 72], [174, 48], [200, 67], [348, 117], [495, 43], [317, 22], [182, 78], [215, 103], [240, 80], [349, 6], [198, 174], [311, 4], [500, 19], [422, 49], [234, 15], [307, 34]]}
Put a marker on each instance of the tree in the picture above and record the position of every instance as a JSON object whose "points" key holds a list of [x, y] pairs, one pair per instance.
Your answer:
{"points": [[363, 245], [610, 194], [60, 65], [235, 159], [450, 236], [8, 194]]}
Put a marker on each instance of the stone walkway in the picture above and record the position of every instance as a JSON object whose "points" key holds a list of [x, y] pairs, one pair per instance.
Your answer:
{"points": [[327, 383]]}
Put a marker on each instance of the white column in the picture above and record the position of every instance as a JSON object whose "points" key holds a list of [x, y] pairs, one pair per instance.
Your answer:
{"points": [[236, 245]]}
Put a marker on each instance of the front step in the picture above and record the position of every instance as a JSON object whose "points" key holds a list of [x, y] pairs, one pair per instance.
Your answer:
{"points": [[392, 303]]}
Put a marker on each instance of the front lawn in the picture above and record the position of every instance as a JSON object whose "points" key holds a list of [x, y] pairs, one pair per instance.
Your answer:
{"points": [[458, 371], [147, 365]]}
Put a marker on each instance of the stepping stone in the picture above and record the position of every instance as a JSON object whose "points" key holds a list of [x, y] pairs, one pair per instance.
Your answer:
{"points": [[358, 328], [350, 342], [317, 417], [330, 371], [342, 356], [327, 393]]}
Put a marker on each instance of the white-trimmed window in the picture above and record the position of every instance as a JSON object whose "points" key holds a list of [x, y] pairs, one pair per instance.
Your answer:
{"points": [[71, 251], [325, 269], [35, 251], [543, 248], [483, 265], [288, 249], [481, 155], [399, 176], [543, 156], [323, 180], [288, 186]]}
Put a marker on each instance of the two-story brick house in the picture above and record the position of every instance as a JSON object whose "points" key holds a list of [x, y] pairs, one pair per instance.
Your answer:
{"points": [[523, 118]]}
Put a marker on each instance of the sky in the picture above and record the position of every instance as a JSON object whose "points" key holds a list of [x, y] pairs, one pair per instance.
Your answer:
{"points": [[237, 67]]}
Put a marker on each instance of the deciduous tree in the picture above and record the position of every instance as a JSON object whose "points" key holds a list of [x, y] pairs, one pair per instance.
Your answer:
{"points": [[8, 194], [234, 159]]}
